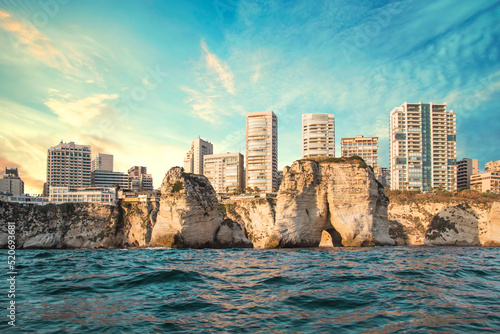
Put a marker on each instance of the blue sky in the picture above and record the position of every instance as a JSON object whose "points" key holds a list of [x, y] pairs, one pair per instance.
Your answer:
{"points": [[141, 80]]}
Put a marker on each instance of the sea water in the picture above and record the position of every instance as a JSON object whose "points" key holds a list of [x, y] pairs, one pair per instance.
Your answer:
{"points": [[328, 290]]}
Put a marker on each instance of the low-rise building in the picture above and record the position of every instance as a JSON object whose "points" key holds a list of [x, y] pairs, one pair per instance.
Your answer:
{"points": [[11, 183], [104, 195], [139, 179], [24, 199], [492, 166], [487, 181]]}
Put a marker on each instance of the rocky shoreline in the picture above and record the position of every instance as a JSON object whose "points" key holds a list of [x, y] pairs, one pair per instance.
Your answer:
{"points": [[335, 202]]}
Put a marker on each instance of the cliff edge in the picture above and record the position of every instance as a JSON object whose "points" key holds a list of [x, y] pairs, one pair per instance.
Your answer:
{"points": [[186, 216]]}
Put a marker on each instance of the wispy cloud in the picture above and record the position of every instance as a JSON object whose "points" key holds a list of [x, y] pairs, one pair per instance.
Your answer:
{"points": [[203, 105], [234, 142], [214, 94], [72, 54], [223, 71], [79, 112], [35, 43]]}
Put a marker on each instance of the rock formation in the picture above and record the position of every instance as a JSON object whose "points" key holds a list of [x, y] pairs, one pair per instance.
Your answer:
{"points": [[330, 202], [339, 197], [426, 219], [492, 236], [453, 225], [187, 215], [70, 225]]}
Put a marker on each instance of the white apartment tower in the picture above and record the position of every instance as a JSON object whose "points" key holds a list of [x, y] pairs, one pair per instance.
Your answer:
{"points": [[68, 165], [262, 151], [318, 135], [193, 163], [102, 162], [224, 171], [423, 147], [364, 147]]}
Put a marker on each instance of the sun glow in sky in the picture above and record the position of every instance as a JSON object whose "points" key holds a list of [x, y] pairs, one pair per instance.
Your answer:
{"points": [[141, 79]]}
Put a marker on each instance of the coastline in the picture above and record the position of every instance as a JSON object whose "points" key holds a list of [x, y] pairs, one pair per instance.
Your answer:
{"points": [[328, 203]]}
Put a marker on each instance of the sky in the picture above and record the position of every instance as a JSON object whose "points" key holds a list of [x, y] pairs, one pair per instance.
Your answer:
{"points": [[142, 79]]}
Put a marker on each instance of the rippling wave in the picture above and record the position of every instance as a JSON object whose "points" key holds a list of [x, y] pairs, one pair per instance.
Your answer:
{"points": [[335, 290]]}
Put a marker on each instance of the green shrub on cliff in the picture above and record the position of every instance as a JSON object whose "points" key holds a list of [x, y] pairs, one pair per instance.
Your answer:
{"points": [[362, 163], [178, 186], [441, 196], [223, 209]]}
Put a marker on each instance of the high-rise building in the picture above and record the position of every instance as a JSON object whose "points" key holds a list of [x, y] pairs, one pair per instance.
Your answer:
{"points": [[102, 162], [262, 151], [423, 147], [225, 172], [193, 163], [11, 182], [364, 147], [68, 165], [318, 135], [466, 168], [139, 179]]}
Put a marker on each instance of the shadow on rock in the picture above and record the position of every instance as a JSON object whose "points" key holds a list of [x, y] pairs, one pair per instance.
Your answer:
{"points": [[454, 226]]}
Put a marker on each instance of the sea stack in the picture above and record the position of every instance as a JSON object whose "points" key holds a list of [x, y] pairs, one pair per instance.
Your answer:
{"points": [[336, 197], [189, 215]]}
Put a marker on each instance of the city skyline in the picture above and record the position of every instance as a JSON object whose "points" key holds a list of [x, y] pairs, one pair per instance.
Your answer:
{"points": [[142, 83]]}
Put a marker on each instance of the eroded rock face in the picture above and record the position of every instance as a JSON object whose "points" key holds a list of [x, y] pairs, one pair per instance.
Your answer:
{"points": [[458, 222], [453, 226], [70, 225], [340, 198], [492, 236], [230, 235], [255, 216], [187, 215]]}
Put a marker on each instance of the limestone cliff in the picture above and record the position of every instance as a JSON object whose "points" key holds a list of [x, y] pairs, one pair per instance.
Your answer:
{"points": [[333, 202], [255, 216], [428, 219], [187, 215], [339, 197], [491, 238], [69, 225]]}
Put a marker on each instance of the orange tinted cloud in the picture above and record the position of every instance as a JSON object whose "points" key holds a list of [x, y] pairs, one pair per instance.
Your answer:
{"points": [[35, 43], [31, 184]]}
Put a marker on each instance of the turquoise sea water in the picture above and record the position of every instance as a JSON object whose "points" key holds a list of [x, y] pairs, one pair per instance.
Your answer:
{"points": [[341, 290]]}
